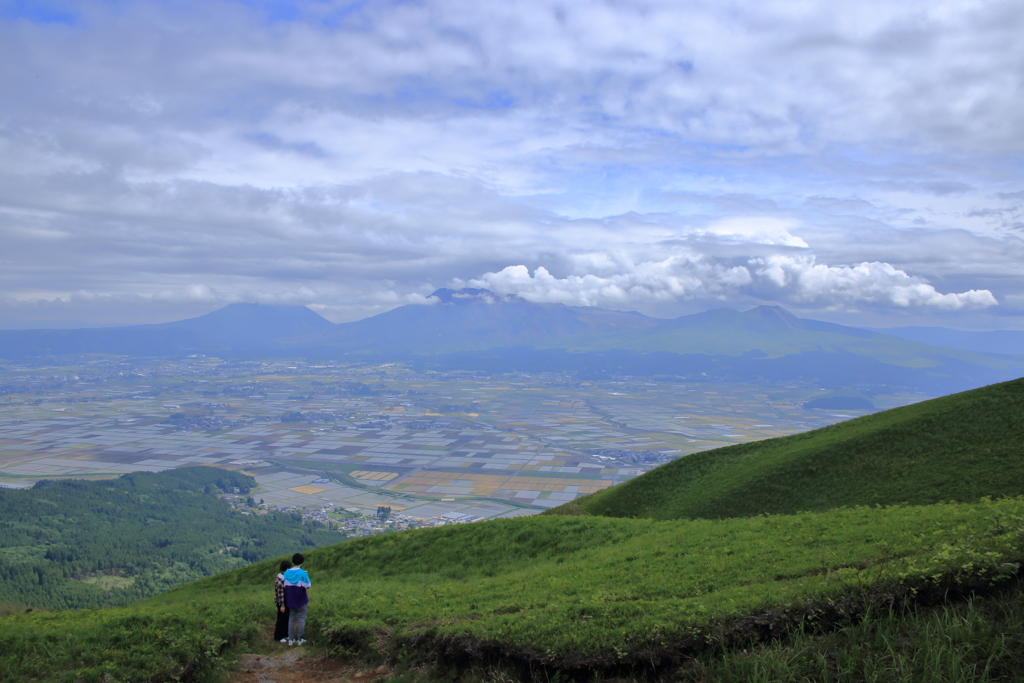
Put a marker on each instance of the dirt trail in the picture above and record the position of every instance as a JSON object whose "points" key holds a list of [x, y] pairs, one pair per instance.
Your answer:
{"points": [[299, 665]]}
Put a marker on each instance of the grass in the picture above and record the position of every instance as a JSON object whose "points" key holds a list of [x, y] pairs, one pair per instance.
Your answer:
{"points": [[11, 608], [138, 643], [564, 594], [960, 447], [977, 640]]}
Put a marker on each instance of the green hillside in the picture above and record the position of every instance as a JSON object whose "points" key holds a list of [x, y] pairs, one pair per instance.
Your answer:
{"points": [[546, 594], [955, 448]]}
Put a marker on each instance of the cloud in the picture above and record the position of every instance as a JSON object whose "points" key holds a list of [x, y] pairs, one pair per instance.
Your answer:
{"points": [[668, 280], [781, 278], [212, 91], [637, 153], [755, 230], [99, 307], [414, 298], [360, 248], [940, 188], [801, 280]]}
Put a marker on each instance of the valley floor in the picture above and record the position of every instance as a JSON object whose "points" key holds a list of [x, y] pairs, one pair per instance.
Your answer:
{"points": [[440, 448]]}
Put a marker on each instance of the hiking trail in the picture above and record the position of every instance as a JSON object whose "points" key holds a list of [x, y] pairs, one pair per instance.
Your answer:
{"points": [[299, 665]]}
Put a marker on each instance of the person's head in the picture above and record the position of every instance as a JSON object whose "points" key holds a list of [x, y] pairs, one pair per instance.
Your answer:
{"points": [[298, 559], [285, 564]]}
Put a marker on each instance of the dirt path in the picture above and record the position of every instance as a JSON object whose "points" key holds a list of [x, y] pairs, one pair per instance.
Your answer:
{"points": [[299, 665]]}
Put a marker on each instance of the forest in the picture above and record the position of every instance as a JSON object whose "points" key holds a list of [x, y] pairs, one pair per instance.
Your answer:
{"points": [[74, 544]]}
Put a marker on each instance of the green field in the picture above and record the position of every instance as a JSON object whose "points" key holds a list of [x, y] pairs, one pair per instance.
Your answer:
{"points": [[849, 590]]}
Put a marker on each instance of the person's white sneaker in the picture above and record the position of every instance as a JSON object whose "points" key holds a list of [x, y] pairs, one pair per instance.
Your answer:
{"points": [[291, 642], [301, 641], [283, 640]]}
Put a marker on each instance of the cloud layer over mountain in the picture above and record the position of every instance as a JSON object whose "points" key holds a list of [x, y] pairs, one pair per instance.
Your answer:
{"points": [[861, 161], [789, 279]]}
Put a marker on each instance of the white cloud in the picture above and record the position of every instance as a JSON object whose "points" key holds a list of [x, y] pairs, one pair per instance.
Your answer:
{"points": [[782, 278], [203, 294], [651, 282], [754, 230], [801, 280], [415, 298], [647, 152]]}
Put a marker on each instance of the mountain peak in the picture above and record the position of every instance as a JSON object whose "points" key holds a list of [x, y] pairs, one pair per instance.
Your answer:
{"points": [[776, 316], [248, 324]]}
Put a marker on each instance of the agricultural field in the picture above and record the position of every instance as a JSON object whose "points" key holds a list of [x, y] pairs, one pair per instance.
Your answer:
{"points": [[446, 447]]}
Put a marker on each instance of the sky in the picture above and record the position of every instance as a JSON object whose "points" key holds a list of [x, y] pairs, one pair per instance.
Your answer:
{"points": [[860, 162]]}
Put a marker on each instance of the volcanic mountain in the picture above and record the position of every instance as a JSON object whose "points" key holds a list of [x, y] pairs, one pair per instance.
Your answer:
{"points": [[478, 329]]}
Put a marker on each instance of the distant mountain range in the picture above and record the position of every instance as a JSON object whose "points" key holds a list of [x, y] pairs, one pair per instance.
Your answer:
{"points": [[1006, 342], [232, 329], [479, 330]]}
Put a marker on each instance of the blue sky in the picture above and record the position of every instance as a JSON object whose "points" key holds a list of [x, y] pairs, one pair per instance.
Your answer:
{"points": [[856, 162]]}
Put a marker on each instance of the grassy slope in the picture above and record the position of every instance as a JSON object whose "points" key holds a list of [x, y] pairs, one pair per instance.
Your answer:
{"points": [[562, 592], [977, 640], [959, 447]]}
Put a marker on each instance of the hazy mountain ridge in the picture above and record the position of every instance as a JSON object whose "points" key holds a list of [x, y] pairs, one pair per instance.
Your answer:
{"points": [[231, 328], [484, 330], [1005, 342], [251, 325], [476, 320]]}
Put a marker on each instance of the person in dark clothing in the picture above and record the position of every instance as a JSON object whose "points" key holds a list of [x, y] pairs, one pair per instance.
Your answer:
{"points": [[281, 627]]}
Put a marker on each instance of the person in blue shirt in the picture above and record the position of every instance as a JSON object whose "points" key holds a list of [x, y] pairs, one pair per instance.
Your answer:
{"points": [[296, 583]]}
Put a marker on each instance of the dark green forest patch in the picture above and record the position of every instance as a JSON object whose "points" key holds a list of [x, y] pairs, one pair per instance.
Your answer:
{"points": [[72, 544]]}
